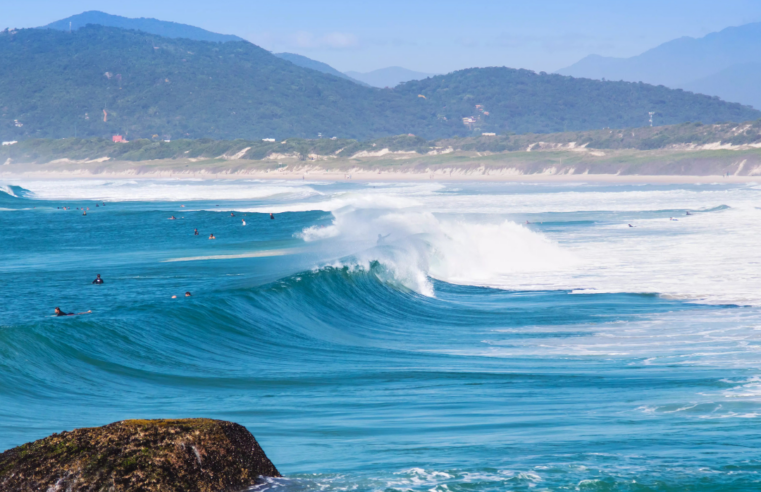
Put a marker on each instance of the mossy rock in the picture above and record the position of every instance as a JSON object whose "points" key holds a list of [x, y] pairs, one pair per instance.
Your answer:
{"points": [[139, 455]]}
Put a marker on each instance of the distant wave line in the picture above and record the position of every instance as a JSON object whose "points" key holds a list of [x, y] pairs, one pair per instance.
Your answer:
{"points": [[255, 254]]}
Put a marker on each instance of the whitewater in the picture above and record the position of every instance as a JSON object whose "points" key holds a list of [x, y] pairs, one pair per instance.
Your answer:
{"points": [[398, 336]]}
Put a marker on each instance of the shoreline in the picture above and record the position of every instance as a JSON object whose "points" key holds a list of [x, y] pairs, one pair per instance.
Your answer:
{"points": [[396, 176]]}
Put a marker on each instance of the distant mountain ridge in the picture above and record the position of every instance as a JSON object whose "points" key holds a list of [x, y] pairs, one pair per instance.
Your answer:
{"points": [[388, 77], [303, 61], [683, 62], [100, 81], [153, 26]]}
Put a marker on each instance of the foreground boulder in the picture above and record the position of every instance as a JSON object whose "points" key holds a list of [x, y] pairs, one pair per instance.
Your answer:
{"points": [[139, 455]]}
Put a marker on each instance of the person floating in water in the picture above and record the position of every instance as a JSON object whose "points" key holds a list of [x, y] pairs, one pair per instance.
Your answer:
{"points": [[58, 312], [232, 214], [195, 232], [244, 221], [98, 280], [211, 236], [97, 205], [272, 216], [187, 294], [84, 213], [172, 218]]}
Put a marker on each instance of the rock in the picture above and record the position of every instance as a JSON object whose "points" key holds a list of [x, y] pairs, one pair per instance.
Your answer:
{"points": [[139, 455]]}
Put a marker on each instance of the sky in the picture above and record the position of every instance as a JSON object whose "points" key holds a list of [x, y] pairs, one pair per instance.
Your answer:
{"points": [[432, 36]]}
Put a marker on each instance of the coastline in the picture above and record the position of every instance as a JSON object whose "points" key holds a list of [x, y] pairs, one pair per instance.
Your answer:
{"points": [[397, 176], [566, 166]]}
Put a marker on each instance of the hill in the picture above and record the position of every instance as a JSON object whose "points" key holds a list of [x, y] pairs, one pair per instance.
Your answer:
{"points": [[683, 62], [303, 61], [153, 26], [57, 84], [522, 101], [388, 77], [739, 82]]}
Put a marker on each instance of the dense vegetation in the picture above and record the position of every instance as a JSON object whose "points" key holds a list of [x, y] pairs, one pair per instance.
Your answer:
{"points": [[522, 101], [57, 84], [151, 26], [690, 134]]}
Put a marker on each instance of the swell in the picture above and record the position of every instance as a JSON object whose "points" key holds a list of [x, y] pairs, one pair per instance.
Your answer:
{"points": [[335, 319]]}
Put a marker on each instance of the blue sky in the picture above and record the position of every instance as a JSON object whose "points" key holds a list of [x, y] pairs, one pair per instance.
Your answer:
{"points": [[434, 36]]}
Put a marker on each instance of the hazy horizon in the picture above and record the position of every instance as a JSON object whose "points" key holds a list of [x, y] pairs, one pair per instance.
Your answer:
{"points": [[425, 36]]}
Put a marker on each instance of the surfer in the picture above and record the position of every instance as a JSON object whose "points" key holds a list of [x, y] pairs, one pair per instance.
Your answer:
{"points": [[688, 213], [187, 294], [382, 239], [195, 232], [84, 213], [244, 221], [58, 312], [172, 218], [211, 236], [631, 225], [272, 216], [98, 280], [232, 214]]}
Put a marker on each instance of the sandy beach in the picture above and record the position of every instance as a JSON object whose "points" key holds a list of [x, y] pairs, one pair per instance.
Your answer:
{"points": [[368, 176]]}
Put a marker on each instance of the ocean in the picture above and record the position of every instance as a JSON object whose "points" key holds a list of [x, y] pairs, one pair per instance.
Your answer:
{"points": [[438, 337]]}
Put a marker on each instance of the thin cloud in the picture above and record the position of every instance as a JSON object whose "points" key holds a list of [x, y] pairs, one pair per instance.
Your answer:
{"points": [[334, 40]]}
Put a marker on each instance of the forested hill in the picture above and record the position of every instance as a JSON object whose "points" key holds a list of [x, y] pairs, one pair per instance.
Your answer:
{"points": [[522, 101], [57, 84], [152, 26]]}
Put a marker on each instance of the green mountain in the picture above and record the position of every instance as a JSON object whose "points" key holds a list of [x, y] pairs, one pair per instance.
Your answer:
{"points": [[153, 26], [56, 84], [522, 101]]}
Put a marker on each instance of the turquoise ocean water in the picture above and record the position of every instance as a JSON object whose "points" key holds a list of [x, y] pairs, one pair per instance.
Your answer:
{"points": [[398, 336]]}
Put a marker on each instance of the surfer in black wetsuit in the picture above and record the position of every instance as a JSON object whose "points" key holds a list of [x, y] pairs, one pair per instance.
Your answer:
{"points": [[272, 216], [98, 280], [232, 214], [58, 312], [195, 232]]}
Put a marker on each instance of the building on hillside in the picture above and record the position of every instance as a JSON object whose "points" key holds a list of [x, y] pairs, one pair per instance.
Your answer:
{"points": [[488, 134], [18, 125], [469, 121], [118, 138], [10, 142], [268, 140]]}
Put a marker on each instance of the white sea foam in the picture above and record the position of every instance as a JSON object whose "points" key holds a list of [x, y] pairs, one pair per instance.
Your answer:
{"points": [[165, 190], [710, 257]]}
